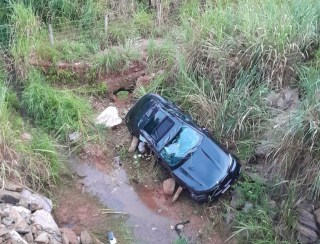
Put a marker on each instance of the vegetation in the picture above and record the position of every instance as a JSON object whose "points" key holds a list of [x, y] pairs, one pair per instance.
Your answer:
{"points": [[219, 60]]}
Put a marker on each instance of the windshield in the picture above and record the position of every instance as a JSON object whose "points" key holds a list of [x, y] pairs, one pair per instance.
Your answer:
{"points": [[180, 146]]}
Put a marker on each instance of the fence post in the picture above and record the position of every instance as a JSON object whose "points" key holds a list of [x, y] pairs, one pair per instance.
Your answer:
{"points": [[106, 20], [51, 35], [159, 11]]}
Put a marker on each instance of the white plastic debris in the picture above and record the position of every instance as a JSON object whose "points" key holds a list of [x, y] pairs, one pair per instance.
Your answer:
{"points": [[109, 117]]}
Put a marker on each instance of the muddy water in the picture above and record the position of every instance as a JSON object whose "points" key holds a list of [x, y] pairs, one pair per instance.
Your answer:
{"points": [[115, 192]]}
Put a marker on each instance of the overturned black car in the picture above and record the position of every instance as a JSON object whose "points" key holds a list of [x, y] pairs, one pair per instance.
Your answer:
{"points": [[194, 159]]}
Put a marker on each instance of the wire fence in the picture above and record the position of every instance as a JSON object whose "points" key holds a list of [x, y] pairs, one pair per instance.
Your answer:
{"points": [[87, 30]]}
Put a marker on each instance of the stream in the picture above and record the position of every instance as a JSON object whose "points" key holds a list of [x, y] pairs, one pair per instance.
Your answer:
{"points": [[115, 192]]}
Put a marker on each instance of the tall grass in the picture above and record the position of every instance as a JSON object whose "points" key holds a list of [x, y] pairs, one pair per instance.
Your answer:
{"points": [[295, 135], [57, 111], [117, 59], [25, 30], [249, 34]]}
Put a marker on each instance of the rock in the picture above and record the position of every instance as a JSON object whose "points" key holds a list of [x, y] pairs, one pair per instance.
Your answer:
{"points": [[306, 235], [317, 215], [35, 206], [109, 117], [7, 221], [45, 220], [15, 215], [168, 186], [75, 136], [85, 237], [141, 147], [65, 239], [3, 231], [9, 197], [247, 207], [25, 213], [177, 194], [235, 200], [23, 227], [28, 237], [309, 207], [134, 144], [71, 236], [55, 238], [26, 136], [42, 238], [16, 238], [230, 218], [287, 98], [307, 219], [13, 187], [2, 214], [32, 198]]}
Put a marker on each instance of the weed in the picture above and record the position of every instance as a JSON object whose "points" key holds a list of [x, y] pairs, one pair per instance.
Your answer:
{"points": [[143, 21], [117, 59], [121, 31], [161, 55], [57, 111]]}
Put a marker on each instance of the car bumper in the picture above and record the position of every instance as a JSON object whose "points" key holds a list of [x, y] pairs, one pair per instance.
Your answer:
{"points": [[226, 183]]}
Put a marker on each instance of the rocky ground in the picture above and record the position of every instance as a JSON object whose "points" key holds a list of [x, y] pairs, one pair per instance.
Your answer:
{"points": [[26, 218]]}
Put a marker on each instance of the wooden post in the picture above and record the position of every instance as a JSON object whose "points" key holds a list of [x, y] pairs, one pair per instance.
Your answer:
{"points": [[106, 22], [159, 12], [51, 35]]}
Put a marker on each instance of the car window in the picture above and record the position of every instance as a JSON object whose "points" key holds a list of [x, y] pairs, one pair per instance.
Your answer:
{"points": [[181, 145]]}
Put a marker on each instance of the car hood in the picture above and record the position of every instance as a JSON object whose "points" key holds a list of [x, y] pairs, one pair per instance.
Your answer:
{"points": [[205, 168]]}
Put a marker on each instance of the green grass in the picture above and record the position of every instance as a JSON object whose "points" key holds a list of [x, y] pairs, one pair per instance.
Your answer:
{"points": [[144, 23], [117, 59], [59, 112], [249, 34], [24, 32], [38, 157]]}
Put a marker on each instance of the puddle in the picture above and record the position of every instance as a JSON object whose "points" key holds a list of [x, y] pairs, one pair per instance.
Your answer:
{"points": [[114, 191]]}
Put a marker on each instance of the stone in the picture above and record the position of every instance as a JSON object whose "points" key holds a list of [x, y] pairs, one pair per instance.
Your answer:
{"points": [[28, 237], [230, 218], [69, 235], [15, 215], [65, 239], [317, 215], [2, 214], [23, 227], [55, 238], [4, 231], [235, 200], [42, 238], [9, 197], [34, 207], [32, 198], [309, 207], [134, 144], [247, 207], [85, 237], [13, 187], [22, 211], [306, 235], [16, 238], [109, 117], [7, 221], [45, 220], [168, 186], [75, 136], [308, 220]]}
